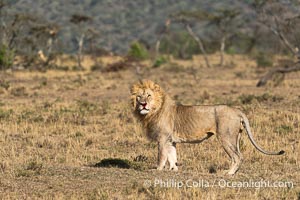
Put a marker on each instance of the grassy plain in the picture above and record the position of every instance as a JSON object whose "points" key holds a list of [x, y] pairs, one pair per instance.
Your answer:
{"points": [[56, 128]]}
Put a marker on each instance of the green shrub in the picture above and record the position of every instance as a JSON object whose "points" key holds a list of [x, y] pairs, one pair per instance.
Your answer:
{"points": [[184, 47], [5, 114], [264, 60], [246, 99], [6, 57], [284, 129], [138, 51], [4, 84], [231, 50], [96, 67], [160, 61]]}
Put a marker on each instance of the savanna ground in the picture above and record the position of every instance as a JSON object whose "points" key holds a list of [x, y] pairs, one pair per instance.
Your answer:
{"points": [[57, 127]]}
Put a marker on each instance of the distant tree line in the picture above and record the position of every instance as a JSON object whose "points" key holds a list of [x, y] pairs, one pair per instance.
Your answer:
{"points": [[268, 27], [260, 27], [36, 40]]}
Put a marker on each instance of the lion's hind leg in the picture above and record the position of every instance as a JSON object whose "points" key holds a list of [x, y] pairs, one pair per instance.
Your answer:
{"points": [[231, 147]]}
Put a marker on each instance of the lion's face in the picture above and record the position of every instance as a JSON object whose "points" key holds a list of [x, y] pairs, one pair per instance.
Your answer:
{"points": [[146, 97], [144, 100]]}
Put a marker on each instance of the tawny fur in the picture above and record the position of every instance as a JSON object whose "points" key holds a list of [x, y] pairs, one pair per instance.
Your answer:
{"points": [[168, 124]]}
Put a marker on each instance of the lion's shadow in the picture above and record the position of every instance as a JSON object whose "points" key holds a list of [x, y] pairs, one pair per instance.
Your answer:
{"points": [[120, 163]]}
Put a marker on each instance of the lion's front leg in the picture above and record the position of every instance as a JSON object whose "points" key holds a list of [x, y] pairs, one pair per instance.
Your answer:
{"points": [[162, 154], [167, 152], [172, 156]]}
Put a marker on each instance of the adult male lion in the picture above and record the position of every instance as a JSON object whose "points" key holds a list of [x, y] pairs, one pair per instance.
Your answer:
{"points": [[168, 124]]}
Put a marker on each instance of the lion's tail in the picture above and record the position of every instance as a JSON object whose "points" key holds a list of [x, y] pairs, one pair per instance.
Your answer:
{"points": [[246, 125]]}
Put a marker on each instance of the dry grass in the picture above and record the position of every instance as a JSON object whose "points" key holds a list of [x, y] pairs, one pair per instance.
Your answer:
{"points": [[56, 126]]}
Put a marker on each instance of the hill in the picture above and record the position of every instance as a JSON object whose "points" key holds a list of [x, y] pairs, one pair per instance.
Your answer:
{"points": [[117, 22]]}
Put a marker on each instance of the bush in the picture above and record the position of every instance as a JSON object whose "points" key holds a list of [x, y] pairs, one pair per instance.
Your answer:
{"points": [[231, 50], [160, 61], [138, 51], [264, 60], [284, 129], [96, 67], [5, 114], [4, 84], [6, 57], [184, 47]]}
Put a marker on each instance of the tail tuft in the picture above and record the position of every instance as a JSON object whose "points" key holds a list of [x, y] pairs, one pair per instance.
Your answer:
{"points": [[281, 152]]}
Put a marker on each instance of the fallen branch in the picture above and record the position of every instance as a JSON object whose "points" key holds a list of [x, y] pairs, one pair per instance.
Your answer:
{"points": [[283, 70]]}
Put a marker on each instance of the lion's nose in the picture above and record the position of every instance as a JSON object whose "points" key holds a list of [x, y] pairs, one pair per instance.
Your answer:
{"points": [[144, 104]]}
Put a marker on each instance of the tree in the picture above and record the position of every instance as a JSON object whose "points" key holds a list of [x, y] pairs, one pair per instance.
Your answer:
{"points": [[26, 35], [45, 34], [81, 21], [222, 19], [7, 38], [187, 19], [161, 32], [281, 19], [11, 30]]}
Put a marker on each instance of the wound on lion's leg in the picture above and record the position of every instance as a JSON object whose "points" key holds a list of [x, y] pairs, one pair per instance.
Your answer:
{"points": [[172, 157]]}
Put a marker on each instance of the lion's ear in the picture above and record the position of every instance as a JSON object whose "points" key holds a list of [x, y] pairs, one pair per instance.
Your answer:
{"points": [[133, 89], [157, 88]]}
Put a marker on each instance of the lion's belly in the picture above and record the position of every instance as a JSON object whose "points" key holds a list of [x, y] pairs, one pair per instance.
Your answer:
{"points": [[196, 124], [195, 134]]}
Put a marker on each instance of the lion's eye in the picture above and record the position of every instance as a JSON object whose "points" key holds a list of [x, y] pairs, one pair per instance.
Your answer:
{"points": [[149, 95], [138, 98]]}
